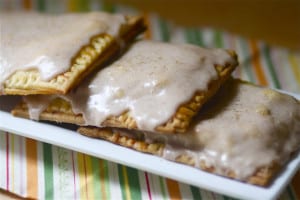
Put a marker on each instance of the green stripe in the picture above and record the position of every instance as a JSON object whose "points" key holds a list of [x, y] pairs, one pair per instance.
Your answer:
{"points": [[199, 37], [134, 182], [218, 39], [106, 176], [196, 193], [266, 52], [229, 198], [41, 5], [48, 170], [290, 192], [122, 181], [164, 30], [108, 7], [193, 36], [162, 188], [247, 62], [189, 36], [96, 177], [83, 5]]}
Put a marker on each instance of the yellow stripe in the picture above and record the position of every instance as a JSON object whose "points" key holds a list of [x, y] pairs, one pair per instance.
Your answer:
{"points": [[81, 174], [295, 67], [89, 177], [71, 5], [125, 175]]}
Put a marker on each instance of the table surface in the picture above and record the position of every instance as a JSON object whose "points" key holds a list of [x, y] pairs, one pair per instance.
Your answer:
{"points": [[252, 20]]}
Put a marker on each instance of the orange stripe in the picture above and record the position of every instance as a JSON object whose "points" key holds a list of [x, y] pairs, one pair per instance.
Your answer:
{"points": [[148, 33], [256, 63], [27, 4], [173, 189], [296, 184], [32, 171]]}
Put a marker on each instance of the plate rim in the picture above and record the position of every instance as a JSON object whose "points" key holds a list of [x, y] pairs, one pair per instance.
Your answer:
{"points": [[216, 183]]}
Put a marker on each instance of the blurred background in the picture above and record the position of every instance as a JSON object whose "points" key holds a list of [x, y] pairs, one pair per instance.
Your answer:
{"points": [[275, 21]]}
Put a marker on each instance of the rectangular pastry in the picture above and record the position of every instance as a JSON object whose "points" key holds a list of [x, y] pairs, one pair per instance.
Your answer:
{"points": [[245, 132], [154, 86], [50, 54]]}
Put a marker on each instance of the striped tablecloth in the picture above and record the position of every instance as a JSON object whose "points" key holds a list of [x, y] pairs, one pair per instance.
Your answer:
{"points": [[34, 169]]}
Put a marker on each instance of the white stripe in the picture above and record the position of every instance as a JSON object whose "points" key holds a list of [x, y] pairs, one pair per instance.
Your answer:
{"points": [[264, 65], [288, 80], [244, 58], [11, 162], [77, 178], [16, 5], [185, 191], [114, 182], [156, 191], [56, 6], [40, 171], [126, 10], [23, 167], [208, 38], [95, 5], [178, 35], [16, 184], [2, 159], [143, 185], [62, 173], [154, 27], [205, 194]]}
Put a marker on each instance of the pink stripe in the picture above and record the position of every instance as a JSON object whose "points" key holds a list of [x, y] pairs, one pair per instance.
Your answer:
{"points": [[85, 174], [74, 177], [7, 161], [148, 186]]}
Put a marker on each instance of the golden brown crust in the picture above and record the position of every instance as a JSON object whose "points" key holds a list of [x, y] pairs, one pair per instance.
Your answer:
{"points": [[117, 138], [57, 111], [90, 57], [262, 177]]}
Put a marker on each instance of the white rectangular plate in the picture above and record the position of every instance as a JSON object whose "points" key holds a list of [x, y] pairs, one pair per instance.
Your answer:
{"points": [[69, 139]]}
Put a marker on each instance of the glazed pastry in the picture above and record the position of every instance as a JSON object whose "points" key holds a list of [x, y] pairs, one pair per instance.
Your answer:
{"points": [[245, 132], [51, 54], [154, 86]]}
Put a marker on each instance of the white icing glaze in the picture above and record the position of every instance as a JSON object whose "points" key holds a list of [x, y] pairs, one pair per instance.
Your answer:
{"points": [[48, 42], [37, 103], [244, 128], [150, 80]]}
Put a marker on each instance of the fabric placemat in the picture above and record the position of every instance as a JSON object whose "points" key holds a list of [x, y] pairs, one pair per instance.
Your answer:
{"points": [[38, 170]]}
